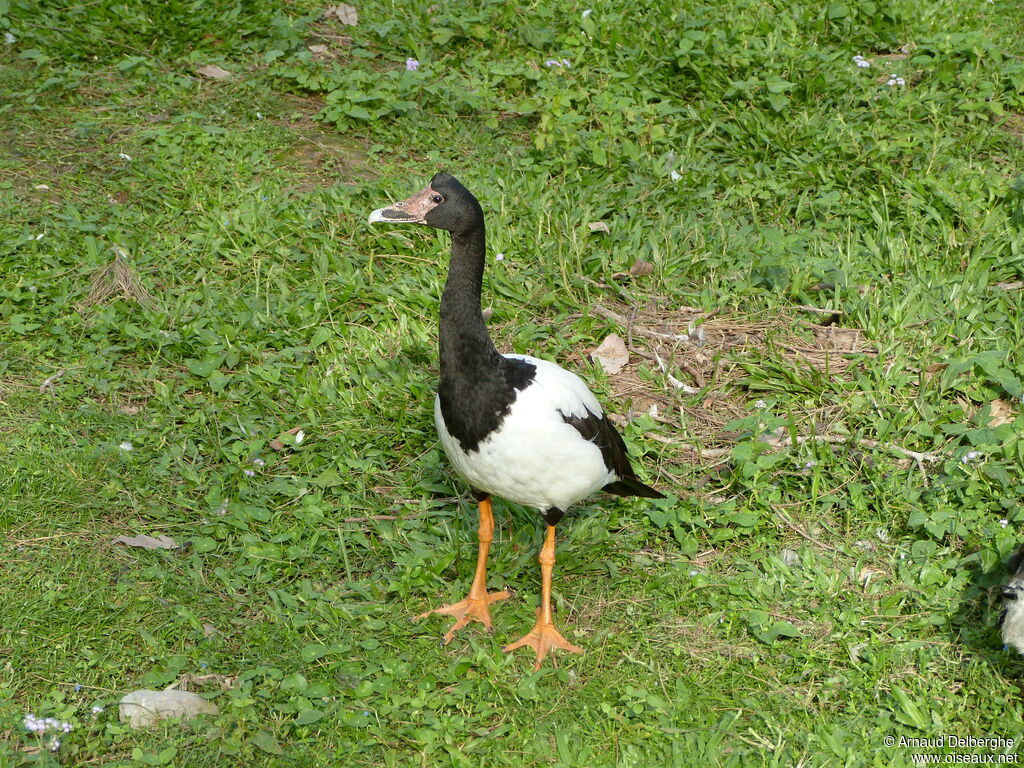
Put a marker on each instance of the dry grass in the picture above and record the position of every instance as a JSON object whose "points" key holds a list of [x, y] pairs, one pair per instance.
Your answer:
{"points": [[117, 280], [695, 353]]}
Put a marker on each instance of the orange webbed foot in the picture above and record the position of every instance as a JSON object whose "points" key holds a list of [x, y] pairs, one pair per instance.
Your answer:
{"points": [[543, 638], [473, 608]]}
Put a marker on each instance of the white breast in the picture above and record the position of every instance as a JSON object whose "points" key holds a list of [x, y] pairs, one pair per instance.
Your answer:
{"points": [[534, 458]]}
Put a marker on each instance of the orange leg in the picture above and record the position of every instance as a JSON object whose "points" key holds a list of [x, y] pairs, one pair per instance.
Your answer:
{"points": [[543, 638], [476, 606]]}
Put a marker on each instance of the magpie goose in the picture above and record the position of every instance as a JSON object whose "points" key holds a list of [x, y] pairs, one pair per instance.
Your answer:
{"points": [[512, 425], [1011, 623]]}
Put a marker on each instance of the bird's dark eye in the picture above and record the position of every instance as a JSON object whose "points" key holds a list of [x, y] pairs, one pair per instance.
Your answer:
{"points": [[436, 199]]}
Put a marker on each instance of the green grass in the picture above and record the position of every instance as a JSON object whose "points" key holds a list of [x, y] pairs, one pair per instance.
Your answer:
{"points": [[737, 148]]}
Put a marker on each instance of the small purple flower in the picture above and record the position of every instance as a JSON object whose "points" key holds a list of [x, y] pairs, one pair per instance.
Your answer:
{"points": [[552, 63], [971, 456], [861, 62], [258, 461], [411, 64], [249, 472]]}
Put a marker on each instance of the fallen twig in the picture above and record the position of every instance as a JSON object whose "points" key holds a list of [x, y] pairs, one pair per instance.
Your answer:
{"points": [[785, 442], [366, 518], [47, 385], [785, 518], [1016, 285], [672, 379], [597, 309], [818, 310]]}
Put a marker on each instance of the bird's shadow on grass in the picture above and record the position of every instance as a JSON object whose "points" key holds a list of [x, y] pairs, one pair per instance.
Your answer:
{"points": [[975, 625]]}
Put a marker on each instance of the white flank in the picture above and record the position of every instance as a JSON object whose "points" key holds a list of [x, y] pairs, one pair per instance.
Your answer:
{"points": [[534, 458]]}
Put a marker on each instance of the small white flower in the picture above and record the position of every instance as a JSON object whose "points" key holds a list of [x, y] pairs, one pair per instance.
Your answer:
{"points": [[40, 236], [55, 745], [9, 38], [258, 461], [895, 80], [587, 12], [249, 472], [675, 175], [882, 534], [566, 63], [694, 572], [299, 436], [124, 156], [1004, 522], [126, 446], [809, 464], [499, 257], [861, 62], [970, 456], [96, 709], [760, 404], [41, 726]]}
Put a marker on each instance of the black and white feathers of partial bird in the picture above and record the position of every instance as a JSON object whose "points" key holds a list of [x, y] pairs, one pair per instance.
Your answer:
{"points": [[1011, 623]]}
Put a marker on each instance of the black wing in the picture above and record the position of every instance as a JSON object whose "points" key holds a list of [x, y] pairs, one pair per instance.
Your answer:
{"points": [[598, 430]]}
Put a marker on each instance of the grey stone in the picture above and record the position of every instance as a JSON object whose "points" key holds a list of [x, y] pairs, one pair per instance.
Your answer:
{"points": [[143, 708], [790, 557]]}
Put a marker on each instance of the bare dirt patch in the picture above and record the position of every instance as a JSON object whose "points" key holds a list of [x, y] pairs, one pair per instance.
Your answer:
{"points": [[702, 354], [321, 156]]}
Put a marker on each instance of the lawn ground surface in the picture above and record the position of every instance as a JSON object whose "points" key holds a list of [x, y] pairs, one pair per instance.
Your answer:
{"points": [[817, 266]]}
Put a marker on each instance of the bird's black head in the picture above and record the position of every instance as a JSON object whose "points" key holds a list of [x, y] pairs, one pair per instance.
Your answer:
{"points": [[443, 204]]}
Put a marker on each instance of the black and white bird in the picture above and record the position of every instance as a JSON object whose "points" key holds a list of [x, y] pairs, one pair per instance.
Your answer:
{"points": [[1011, 623], [512, 425]]}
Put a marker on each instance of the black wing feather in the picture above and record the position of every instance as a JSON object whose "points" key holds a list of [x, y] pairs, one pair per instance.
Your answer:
{"points": [[599, 430]]}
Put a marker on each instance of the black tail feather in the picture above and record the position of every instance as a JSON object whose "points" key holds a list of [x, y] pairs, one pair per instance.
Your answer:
{"points": [[630, 486]]}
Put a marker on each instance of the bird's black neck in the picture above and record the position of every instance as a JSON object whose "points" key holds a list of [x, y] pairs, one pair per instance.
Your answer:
{"points": [[478, 385], [466, 347]]}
